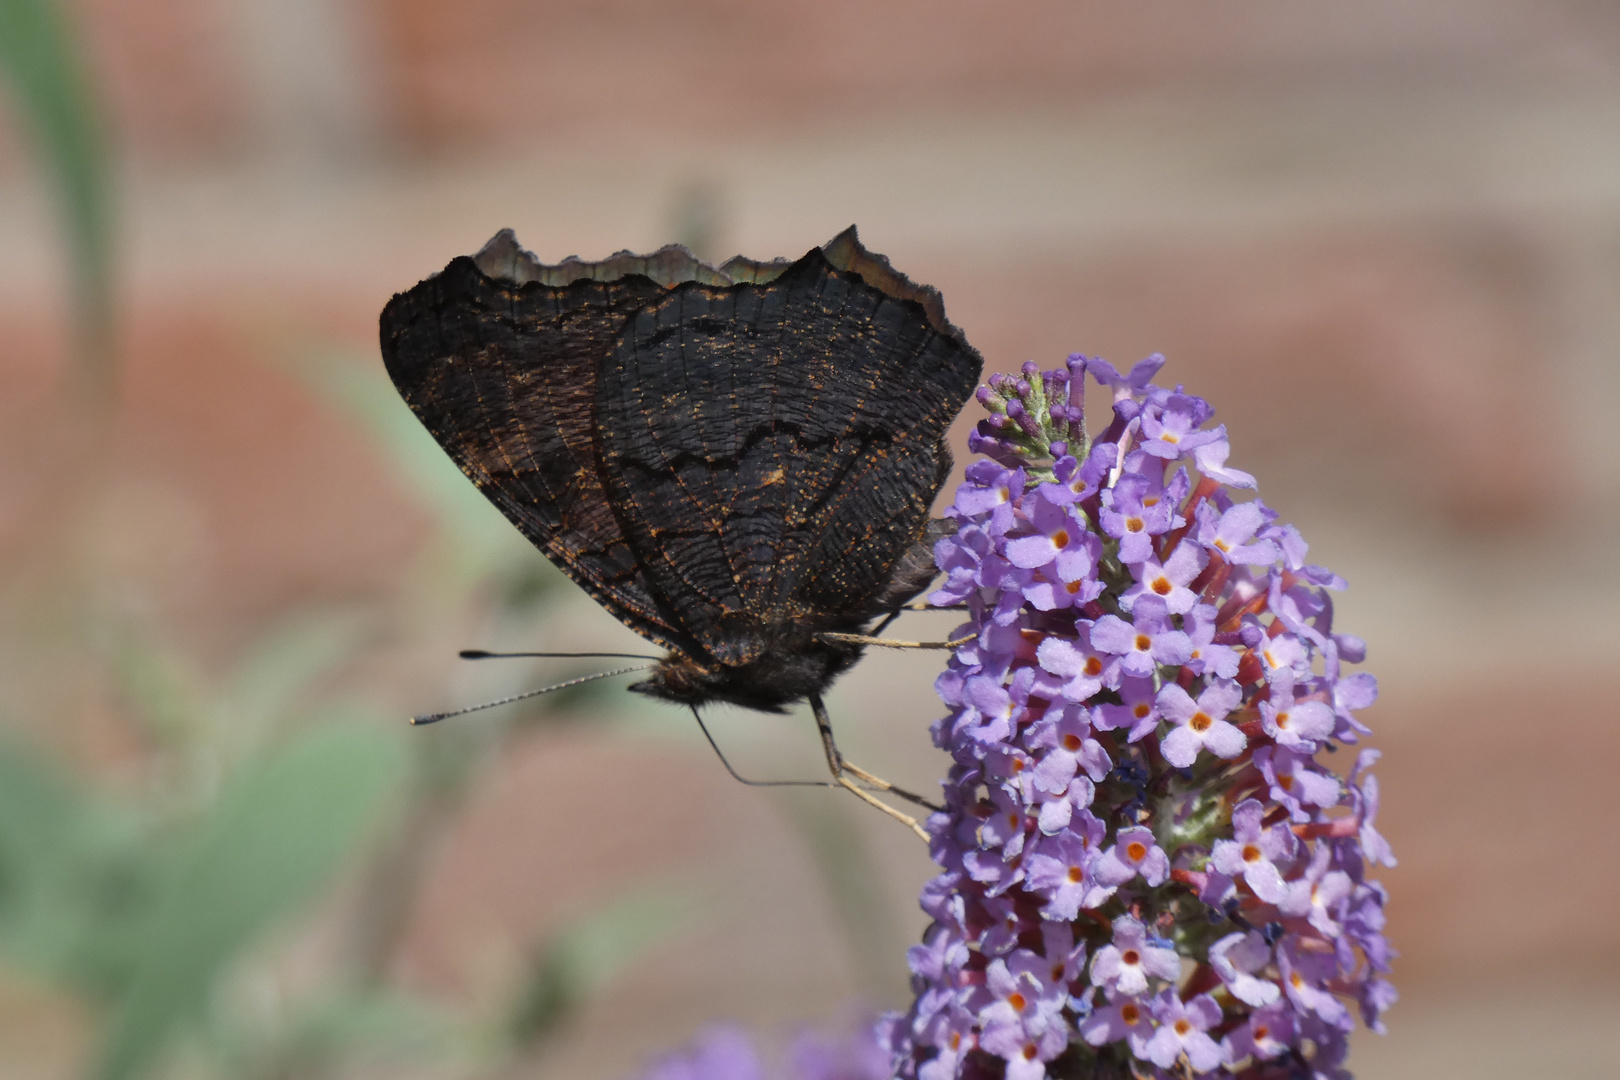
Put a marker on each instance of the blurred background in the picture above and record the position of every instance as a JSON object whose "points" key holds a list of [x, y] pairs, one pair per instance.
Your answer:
{"points": [[1382, 238]]}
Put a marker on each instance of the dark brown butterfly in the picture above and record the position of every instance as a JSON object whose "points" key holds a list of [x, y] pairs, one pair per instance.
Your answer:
{"points": [[735, 461]]}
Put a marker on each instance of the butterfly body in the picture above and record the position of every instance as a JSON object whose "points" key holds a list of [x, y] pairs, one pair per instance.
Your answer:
{"points": [[734, 461], [790, 664]]}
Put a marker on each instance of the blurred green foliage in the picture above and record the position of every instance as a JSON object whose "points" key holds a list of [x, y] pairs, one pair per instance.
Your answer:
{"points": [[78, 874], [275, 834], [52, 91]]}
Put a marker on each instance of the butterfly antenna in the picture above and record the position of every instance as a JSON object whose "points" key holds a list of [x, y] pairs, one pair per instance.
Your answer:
{"points": [[744, 780], [434, 718], [481, 654]]}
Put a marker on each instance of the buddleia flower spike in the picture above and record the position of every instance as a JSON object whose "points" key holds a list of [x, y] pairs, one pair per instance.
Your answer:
{"points": [[1147, 867]]}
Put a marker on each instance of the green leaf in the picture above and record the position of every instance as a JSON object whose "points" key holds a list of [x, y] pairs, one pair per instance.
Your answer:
{"points": [[321, 1033], [77, 876], [40, 57], [585, 957], [278, 833]]}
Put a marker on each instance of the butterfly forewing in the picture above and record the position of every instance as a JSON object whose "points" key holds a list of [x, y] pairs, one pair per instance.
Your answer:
{"points": [[503, 376]]}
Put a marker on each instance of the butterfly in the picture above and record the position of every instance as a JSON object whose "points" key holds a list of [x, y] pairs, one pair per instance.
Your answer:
{"points": [[737, 462]]}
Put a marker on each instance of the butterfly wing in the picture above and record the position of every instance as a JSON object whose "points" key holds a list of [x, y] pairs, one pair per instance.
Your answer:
{"points": [[774, 449], [504, 377]]}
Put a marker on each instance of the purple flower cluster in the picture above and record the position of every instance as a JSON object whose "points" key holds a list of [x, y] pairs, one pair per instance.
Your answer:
{"points": [[1148, 868]]}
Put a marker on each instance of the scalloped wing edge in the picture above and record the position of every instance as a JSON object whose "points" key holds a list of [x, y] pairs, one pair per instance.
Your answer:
{"points": [[505, 259]]}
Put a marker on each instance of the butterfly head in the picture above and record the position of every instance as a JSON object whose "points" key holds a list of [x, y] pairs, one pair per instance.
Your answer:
{"points": [[775, 677]]}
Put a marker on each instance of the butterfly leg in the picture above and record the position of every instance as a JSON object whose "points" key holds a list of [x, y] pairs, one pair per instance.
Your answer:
{"points": [[877, 631], [840, 767], [891, 643], [883, 785], [839, 764]]}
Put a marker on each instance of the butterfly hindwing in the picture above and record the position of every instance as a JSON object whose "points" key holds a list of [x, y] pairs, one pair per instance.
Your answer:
{"points": [[774, 449]]}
